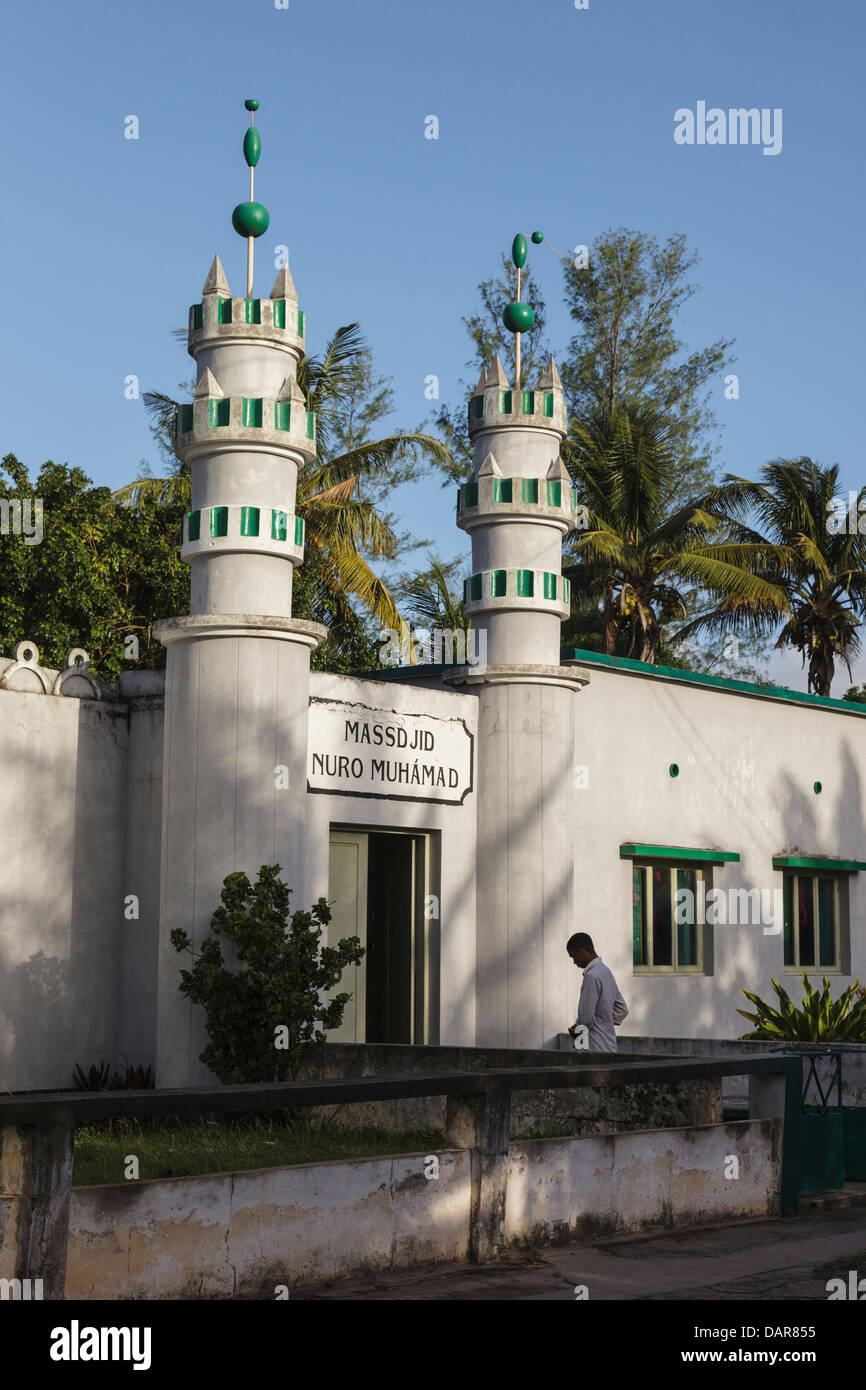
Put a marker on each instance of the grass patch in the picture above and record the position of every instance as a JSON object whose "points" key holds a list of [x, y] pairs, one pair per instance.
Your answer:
{"points": [[210, 1146]]}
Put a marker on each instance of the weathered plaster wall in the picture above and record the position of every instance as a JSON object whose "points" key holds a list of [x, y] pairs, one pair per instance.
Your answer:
{"points": [[747, 768], [239, 1235]]}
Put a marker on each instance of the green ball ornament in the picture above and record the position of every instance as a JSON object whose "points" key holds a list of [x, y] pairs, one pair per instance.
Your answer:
{"points": [[538, 238], [518, 251], [251, 219], [519, 318], [251, 104]]}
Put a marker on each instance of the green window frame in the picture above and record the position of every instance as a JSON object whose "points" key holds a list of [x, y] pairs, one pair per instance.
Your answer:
{"points": [[812, 934], [661, 943]]}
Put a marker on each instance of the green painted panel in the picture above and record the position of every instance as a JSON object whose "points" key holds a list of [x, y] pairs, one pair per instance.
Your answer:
{"points": [[502, 489], [279, 520], [196, 316], [475, 586], [854, 1141], [252, 412], [224, 311], [279, 306], [788, 933], [470, 495], [638, 917], [550, 586], [249, 521], [525, 584], [300, 323], [219, 411], [554, 494], [283, 415], [219, 521], [687, 932], [826, 922], [566, 591], [311, 425], [193, 526], [822, 1151], [836, 866], [186, 419], [476, 407], [527, 402], [548, 404], [505, 402], [499, 583], [253, 310], [529, 489], [674, 852], [299, 530]]}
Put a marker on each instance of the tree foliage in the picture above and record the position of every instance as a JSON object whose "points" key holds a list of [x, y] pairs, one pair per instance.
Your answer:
{"points": [[265, 1018]]}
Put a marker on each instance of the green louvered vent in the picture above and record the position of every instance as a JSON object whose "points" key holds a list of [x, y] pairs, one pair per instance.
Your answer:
{"points": [[186, 419], [470, 495], [252, 412], [502, 489], [279, 520], [193, 530], [279, 313], [196, 316], [219, 410], [529, 489], [249, 521], [283, 415], [548, 404], [476, 407], [505, 402], [550, 586], [219, 521], [253, 310], [299, 530], [554, 494], [528, 402], [499, 583], [224, 311], [525, 584], [300, 324]]}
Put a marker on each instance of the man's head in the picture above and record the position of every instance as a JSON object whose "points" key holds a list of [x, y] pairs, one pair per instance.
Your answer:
{"points": [[581, 949]]}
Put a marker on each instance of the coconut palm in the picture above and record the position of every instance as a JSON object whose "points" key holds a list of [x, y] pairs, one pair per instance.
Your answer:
{"points": [[820, 562], [343, 528], [642, 562]]}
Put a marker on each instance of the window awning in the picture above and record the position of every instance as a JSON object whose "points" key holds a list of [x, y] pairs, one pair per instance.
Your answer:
{"points": [[801, 861], [695, 856]]}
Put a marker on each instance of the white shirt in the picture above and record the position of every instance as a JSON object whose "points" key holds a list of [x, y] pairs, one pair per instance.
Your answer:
{"points": [[601, 1006]]}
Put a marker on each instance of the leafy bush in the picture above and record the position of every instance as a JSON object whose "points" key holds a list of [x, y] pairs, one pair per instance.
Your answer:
{"points": [[821, 1019], [262, 1020]]}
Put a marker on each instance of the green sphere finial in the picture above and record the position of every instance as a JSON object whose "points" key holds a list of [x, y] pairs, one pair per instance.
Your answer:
{"points": [[538, 238], [251, 104]]}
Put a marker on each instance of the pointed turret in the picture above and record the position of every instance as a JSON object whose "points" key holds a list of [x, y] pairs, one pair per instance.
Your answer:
{"points": [[549, 379], [284, 285], [490, 467], [558, 469], [208, 385], [216, 282]]}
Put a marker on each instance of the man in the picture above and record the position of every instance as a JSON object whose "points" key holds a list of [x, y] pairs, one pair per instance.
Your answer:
{"points": [[601, 1004]]}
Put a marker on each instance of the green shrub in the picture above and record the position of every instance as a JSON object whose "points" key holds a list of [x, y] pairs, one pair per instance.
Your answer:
{"points": [[821, 1019]]}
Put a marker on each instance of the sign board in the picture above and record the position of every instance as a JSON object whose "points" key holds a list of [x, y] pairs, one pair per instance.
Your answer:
{"points": [[357, 751]]}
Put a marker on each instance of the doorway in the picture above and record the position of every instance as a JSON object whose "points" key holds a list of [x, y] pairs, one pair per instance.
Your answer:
{"points": [[378, 886]]}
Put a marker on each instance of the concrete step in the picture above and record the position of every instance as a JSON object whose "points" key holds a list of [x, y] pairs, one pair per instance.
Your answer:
{"points": [[853, 1194]]}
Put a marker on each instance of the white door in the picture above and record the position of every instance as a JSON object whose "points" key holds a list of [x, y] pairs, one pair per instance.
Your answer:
{"points": [[347, 894]]}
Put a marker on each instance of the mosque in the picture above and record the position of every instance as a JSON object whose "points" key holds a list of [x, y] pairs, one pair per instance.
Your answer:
{"points": [[464, 819]]}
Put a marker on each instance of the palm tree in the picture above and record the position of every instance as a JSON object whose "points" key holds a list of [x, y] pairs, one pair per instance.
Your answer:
{"points": [[819, 563], [642, 562], [342, 527]]}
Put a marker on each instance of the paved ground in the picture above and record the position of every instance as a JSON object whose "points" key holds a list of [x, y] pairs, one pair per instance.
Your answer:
{"points": [[781, 1259]]}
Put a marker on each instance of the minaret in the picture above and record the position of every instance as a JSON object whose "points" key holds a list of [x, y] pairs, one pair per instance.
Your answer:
{"points": [[237, 677], [516, 509]]}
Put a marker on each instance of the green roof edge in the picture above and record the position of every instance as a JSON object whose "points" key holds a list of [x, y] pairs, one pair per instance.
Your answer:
{"points": [[799, 861], [631, 850], [763, 692]]}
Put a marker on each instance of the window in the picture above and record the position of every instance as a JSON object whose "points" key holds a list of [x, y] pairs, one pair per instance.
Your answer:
{"points": [[812, 936], [668, 935]]}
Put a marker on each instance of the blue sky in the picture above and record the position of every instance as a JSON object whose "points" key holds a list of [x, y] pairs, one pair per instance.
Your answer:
{"points": [[549, 117]]}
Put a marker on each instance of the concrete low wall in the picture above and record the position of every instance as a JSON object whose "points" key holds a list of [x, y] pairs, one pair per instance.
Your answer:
{"points": [[566, 1189], [239, 1235]]}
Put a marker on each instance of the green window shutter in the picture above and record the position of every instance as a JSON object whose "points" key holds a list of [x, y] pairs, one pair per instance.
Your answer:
{"points": [[196, 316], [224, 311], [529, 489], [550, 586], [253, 310], [554, 494], [249, 521], [525, 584], [279, 313], [548, 404], [278, 525], [788, 935], [826, 922], [219, 410], [470, 493], [475, 586], [663, 944], [566, 591], [300, 324], [311, 425], [638, 916], [186, 419], [502, 489], [528, 402], [687, 931], [499, 584], [476, 407], [806, 922], [219, 521], [282, 415], [252, 412], [299, 530], [505, 402]]}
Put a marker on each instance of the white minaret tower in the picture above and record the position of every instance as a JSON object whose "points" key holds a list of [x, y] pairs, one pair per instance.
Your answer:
{"points": [[516, 509], [237, 678]]}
